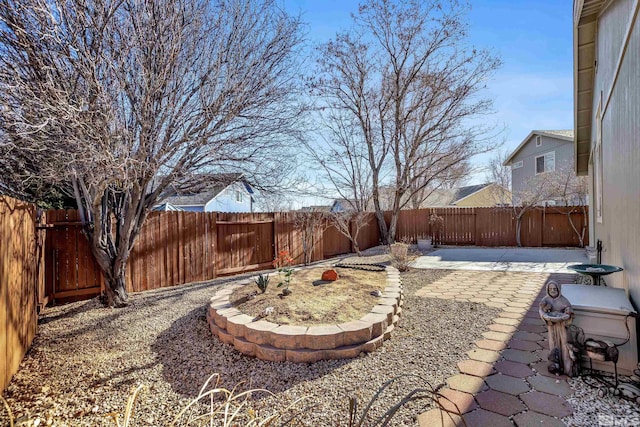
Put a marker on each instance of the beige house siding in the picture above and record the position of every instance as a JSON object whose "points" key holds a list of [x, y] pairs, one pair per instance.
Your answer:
{"points": [[620, 226], [487, 197]]}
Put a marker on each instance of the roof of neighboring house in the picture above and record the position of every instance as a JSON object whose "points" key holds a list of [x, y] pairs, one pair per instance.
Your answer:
{"points": [[346, 204], [316, 209], [167, 207], [448, 197], [211, 186], [565, 135]]}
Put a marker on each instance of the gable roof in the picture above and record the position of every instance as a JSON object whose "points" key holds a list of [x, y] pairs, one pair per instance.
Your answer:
{"points": [[565, 135], [448, 197], [211, 186]]}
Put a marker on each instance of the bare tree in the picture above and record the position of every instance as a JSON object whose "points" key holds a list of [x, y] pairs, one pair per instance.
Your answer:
{"points": [[411, 88], [350, 224], [570, 191], [311, 224], [115, 100], [534, 192], [501, 176]]}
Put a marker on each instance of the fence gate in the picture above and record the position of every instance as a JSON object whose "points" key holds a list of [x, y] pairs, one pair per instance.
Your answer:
{"points": [[71, 272]]}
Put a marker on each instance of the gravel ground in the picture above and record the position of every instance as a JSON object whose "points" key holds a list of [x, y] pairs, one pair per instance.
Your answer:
{"points": [[592, 410], [86, 359]]}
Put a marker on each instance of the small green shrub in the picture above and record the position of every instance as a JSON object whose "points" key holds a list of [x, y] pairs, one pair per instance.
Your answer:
{"points": [[262, 282]]}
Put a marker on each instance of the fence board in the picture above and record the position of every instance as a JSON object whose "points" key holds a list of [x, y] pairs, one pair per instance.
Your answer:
{"points": [[20, 260]]}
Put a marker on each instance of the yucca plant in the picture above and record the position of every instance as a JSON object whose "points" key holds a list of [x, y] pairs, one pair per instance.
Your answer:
{"points": [[262, 281]]}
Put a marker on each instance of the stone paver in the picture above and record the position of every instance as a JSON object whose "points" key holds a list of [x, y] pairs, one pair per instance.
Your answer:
{"points": [[497, 327], [466, 383], [524, 345], [482, 355], [500, 403], [457, 401], [507, 384], [491, 345], [519, 356], [480, 417], [506, 321], [476, 368], [550, 385], [497, 336], [514, 369], [527, 336], [507, 371], [534, 419], [547, 404], [438, 418]]}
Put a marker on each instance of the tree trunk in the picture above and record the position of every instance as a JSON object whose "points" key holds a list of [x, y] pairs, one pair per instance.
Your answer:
{"points": [[518, 228], [116, 289], [393, 225], [382, 226]]}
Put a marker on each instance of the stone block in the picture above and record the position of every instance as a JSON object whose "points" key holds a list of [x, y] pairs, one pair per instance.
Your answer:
{"points": [[324, 337], [387, 332], [256, 332], [220, 316], [387, 310], [356, 332], [267, 352], [305, 356], [244, 346], [379, 323], [288, 337], [373, 344], [225, 336], [345, 352], [236, 325]]}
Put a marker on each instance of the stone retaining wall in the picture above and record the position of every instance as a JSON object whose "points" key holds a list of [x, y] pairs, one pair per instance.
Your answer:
{"points": [[271, 341]]}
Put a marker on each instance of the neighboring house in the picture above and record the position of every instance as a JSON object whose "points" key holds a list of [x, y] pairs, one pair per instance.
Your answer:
{"points": [[541, 151], [343, 205], [167, 207], [482, 195], [607, 123], [223, 193]]}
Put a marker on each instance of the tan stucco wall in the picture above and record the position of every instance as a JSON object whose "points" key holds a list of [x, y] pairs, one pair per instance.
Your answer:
{"points": [[485, 198]]}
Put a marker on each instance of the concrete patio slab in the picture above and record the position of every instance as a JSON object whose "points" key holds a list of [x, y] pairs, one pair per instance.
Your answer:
{"points": [[531, 260]]}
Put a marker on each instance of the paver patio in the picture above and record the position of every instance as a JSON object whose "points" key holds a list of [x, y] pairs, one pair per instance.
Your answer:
{"points": [[505, 381]]}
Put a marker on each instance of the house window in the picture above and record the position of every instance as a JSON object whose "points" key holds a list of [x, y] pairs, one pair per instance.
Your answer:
{"points": [[598, 172], [239, 196], [546, 162], [517, 165], [538, 141]]}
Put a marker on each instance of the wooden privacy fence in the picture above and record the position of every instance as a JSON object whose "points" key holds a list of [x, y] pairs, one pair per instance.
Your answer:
{"points": [[21, 282], [174, 248], [543, 226]]}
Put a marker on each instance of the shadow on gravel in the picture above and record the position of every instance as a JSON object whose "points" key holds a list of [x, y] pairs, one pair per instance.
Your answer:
{"points": [[189, 354]]}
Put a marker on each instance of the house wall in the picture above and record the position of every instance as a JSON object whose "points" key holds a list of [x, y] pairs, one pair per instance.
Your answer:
{"points": [[485, 198], [529, 152], [620, 226], [226, 201]]}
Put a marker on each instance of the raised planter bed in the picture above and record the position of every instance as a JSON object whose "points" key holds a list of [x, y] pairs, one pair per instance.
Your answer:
{"points": [[271, 341]]}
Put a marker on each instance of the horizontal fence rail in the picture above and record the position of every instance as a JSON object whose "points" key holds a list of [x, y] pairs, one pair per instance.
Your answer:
{"points": [[175, 248]]}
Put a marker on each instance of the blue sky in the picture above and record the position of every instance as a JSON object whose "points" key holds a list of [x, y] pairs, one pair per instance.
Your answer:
{"points": [[534, 87]]}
